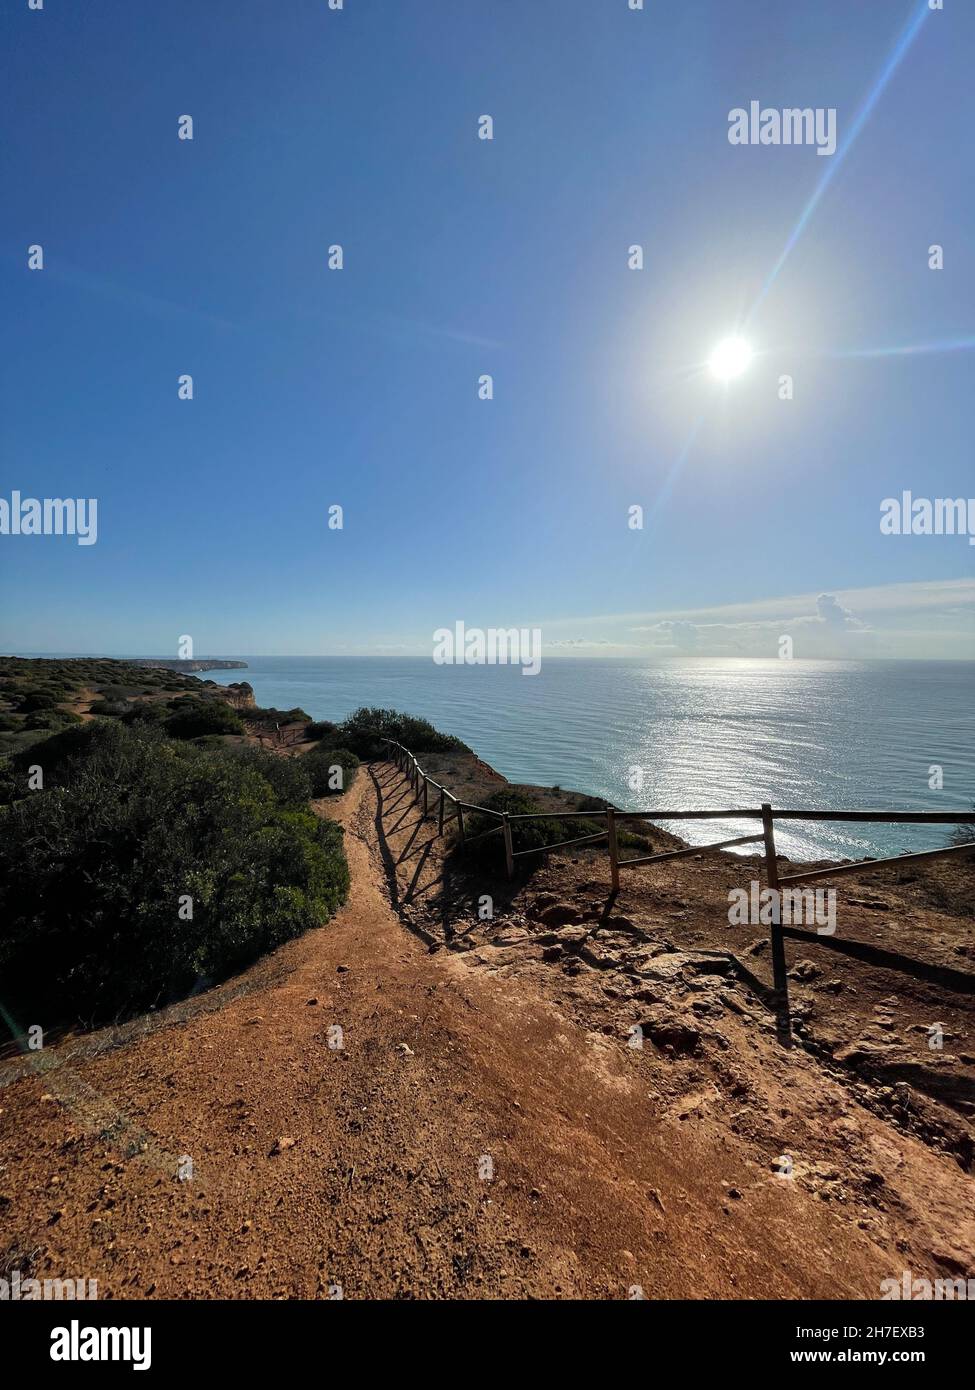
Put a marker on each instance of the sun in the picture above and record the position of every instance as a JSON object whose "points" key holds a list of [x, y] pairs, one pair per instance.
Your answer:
{"points": [[730, 358]]}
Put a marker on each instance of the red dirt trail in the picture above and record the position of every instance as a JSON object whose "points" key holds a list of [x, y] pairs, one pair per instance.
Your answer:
{"points": [[363, 1167]]}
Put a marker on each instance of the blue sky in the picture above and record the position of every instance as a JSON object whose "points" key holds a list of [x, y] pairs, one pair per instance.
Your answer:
{"points": [[463, 257]]}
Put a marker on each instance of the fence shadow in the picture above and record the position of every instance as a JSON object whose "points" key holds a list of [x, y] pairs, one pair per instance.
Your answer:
{"points": [[943, 975], [389, 861]]}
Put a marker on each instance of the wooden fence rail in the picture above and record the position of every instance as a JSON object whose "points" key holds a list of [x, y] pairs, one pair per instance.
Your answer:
{"points": [[420, 781]]}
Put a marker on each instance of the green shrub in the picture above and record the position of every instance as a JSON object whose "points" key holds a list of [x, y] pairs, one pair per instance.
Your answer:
{"points": [[147, 712], [365, 730], [16, 742], [525, 835], [271, 716], [289, 777], [38, 700], [203, 717], [321, 764], [111, 708], [94, 867], [115, 691], [52, 719], [319, 729]]}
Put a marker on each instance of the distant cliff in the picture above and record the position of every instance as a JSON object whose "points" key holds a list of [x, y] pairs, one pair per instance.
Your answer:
{"points": [[204, 664], [238, 694]]}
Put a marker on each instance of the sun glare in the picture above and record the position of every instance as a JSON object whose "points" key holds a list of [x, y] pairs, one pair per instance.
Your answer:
{"points": [[730, 358]]}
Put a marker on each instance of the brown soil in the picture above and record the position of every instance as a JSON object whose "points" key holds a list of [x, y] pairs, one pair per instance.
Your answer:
{"points": [[81, 704], [366, 1166]]}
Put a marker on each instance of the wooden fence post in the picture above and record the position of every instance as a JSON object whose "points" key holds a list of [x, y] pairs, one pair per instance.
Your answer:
{"points": [[425, 802], [440, 813], [614, 853], [509, 854], [780, 979], [460, 821]]}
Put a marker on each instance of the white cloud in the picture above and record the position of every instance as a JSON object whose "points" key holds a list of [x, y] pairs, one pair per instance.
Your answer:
{"points": [[833, 614], [931, 619]]}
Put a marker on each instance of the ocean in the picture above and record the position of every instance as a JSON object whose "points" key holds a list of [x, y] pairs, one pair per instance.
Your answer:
{"points": [[838, 735]]}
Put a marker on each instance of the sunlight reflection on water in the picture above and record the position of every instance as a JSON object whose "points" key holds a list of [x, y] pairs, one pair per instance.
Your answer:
{"points": [[706, 733]]}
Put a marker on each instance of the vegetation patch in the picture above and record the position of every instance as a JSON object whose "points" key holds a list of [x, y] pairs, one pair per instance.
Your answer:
{"points": [[140, 868], [366, 729], [528, 835], [331, 770]]}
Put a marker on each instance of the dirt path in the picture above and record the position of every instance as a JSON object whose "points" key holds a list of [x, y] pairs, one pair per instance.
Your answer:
{"points": [[368, 1166]]}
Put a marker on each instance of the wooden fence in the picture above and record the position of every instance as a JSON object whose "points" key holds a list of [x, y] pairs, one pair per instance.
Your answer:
{"points": [[422, 781]]}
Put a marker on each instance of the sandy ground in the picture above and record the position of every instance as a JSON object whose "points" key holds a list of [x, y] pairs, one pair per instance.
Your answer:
{"points": [[477, 1135]]}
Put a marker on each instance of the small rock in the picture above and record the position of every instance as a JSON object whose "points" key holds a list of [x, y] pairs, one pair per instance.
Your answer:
{"points": [[511, 936], [617, 923], [560, 915], [282, 1144], [543, 901], [953, 1261], [667, 1030]]}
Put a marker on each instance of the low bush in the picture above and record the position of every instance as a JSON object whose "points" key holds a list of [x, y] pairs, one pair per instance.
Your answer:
{"points": [[331, 770], [52, 719], [271, 716], [534, 834], [365, 732], [38, 700], [203, 717], [319, 729], [96, 871], [147, 712], [289, 777], [111, 708]]}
